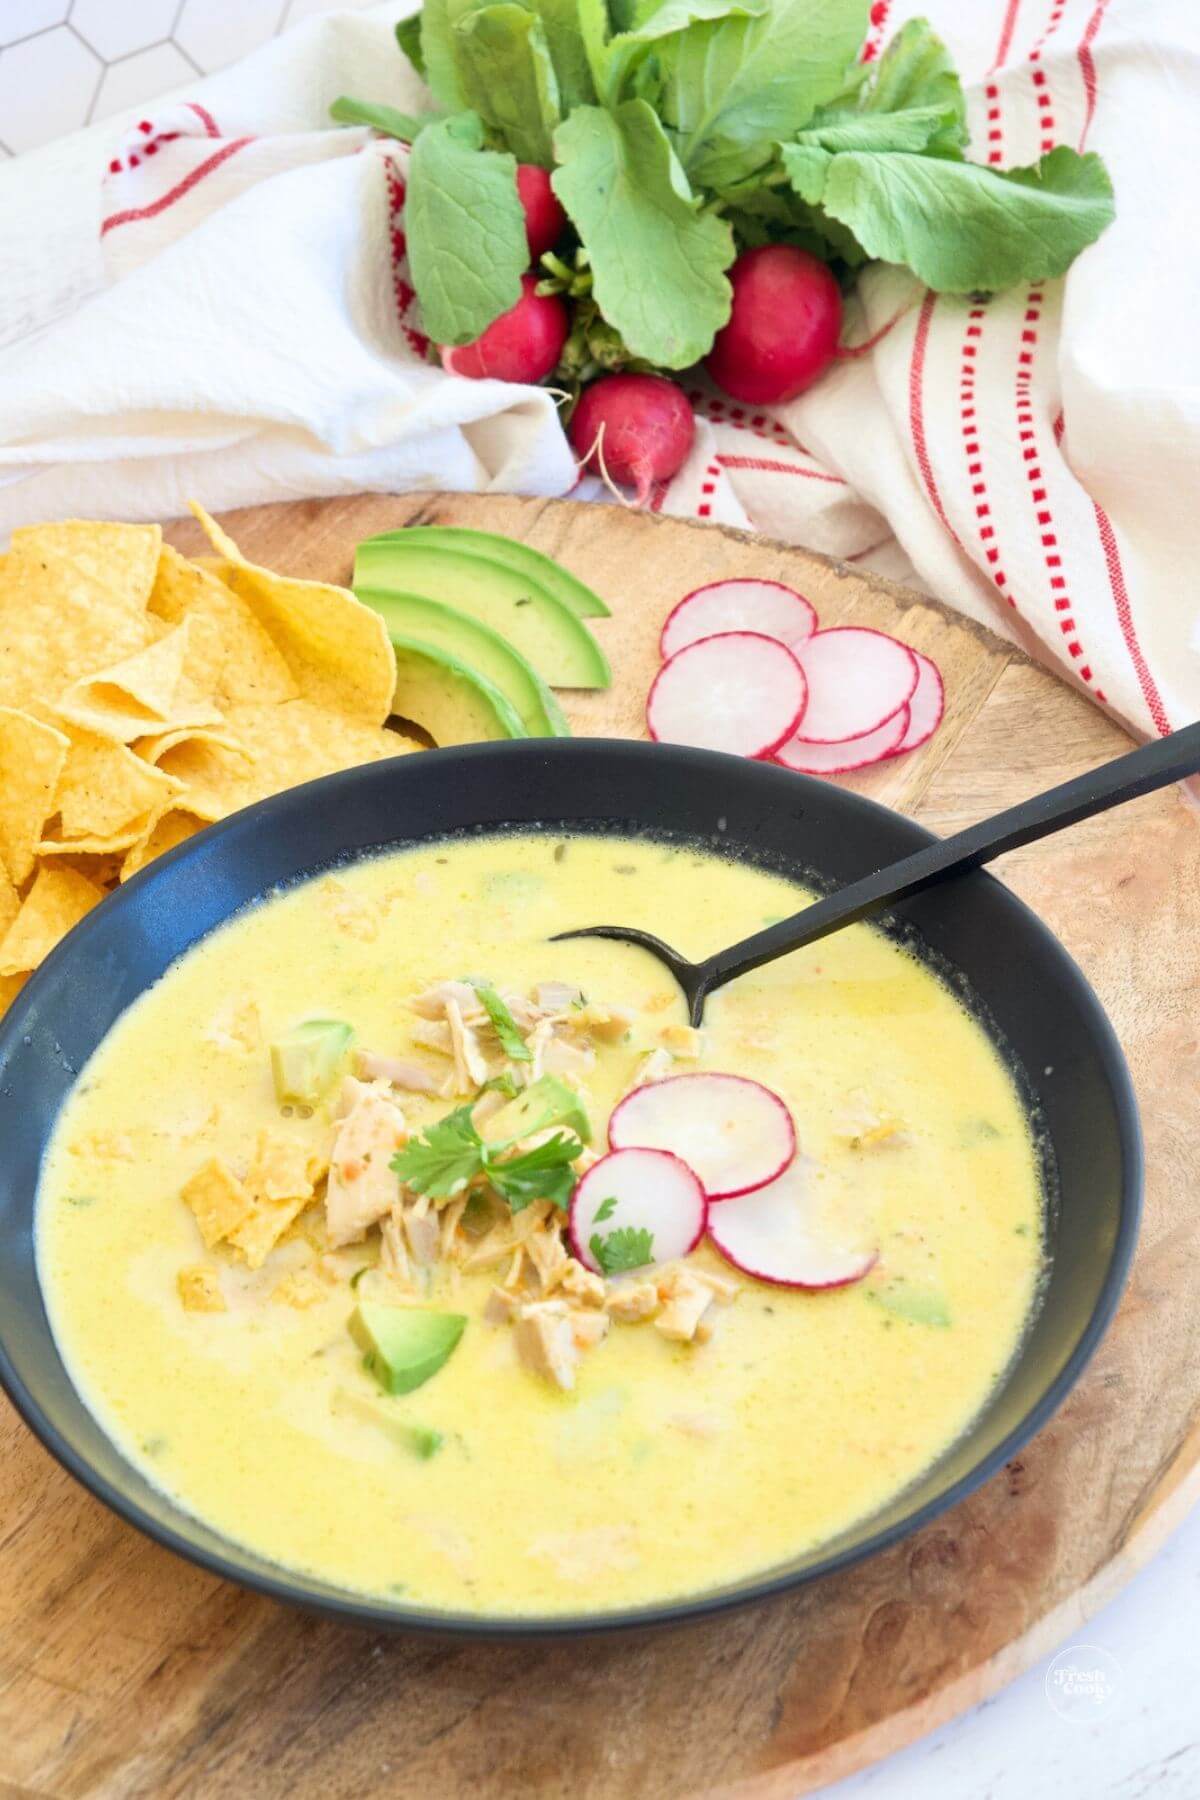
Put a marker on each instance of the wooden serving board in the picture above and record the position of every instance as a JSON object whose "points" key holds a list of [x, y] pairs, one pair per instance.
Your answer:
{"points": [[124, 1671]]}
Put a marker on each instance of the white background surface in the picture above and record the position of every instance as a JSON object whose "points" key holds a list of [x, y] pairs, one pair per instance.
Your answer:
{"points": [[65, 62]]}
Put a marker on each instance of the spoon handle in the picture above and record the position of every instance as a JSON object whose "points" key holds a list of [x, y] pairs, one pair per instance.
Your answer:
{"points": [[1126, 778]]}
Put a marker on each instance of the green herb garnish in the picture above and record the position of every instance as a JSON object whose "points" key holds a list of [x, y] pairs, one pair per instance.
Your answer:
{"points": [[605, 1210], [450, 1154], [505, 1083], [628, 1247], [503, 1023]]}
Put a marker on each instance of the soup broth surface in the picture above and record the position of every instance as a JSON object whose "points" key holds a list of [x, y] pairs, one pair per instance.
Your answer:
{"points": [[671, 1467]]}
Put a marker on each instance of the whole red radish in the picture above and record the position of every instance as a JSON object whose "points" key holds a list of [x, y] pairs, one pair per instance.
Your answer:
{"points": [[545, 219], [523, 344], [784, 327], [636, 429]]}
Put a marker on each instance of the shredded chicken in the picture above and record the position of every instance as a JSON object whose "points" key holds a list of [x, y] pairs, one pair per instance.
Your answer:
{"points": [[556, 996], [545, 1251], [569, 1061], [655, 1066], [506, 1237], [687, 1295], [470, 1064], [608, 1023], [362, 1185], [546, 1342], [581, 1284], [588, 1327], [501, 1305], [432, 1034], [393, 1253], [423, 1234], [432, 1003], [630, 1302], [392, 1069]]}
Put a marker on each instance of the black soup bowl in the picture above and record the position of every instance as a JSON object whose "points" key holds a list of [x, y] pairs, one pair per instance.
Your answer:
{"points": [[1007, 966]]}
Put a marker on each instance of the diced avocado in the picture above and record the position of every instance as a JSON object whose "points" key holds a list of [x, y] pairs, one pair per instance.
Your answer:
{"points": [[414, 619], [553, 639], [438, 692], [305, 1061], [403, 1345], [517, 556], [544, 1103], [919, 1302], [421, 1440]]}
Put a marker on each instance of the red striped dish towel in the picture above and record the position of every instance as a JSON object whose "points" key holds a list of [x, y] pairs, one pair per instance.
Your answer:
{"points": [[212, 299]]}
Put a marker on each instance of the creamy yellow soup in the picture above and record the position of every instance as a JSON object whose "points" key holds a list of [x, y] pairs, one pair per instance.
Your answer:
{"points": [[670, 1468]]}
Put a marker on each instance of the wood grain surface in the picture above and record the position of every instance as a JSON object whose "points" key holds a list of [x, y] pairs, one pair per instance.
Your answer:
{"points": [[126, 1672]]}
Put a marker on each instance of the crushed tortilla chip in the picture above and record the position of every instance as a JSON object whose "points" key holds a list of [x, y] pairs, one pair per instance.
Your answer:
{"points": [[337, 649], [58, 899], [10, 987], [218, 1201], [200, 1290], [235, 1026], [258, 1235], [171, 683], [303, 1287], [280, 1168], [32, 756]]}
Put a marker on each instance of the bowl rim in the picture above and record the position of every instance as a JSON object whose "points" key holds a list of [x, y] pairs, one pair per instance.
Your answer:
{"points": [[344, 1605]]}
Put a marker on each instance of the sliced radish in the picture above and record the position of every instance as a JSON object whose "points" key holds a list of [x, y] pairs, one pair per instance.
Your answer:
{"points": [[638, 1190], [739, 691], [765, 606], [735, 1133], [857, 679], [773, 1235], [851, 753], [926, 706]]}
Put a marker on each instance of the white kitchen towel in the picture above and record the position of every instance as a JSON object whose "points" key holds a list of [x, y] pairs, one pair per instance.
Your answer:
{"points": [[211, 299]]}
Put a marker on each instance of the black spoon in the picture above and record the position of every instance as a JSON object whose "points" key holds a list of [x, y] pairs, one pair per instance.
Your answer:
{"points": [[1154, 766]]}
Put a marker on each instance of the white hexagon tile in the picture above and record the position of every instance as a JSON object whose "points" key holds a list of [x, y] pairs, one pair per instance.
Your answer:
{"points": [[67, 63]]}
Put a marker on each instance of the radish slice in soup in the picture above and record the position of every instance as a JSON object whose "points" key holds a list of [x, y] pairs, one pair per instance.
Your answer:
{"points": [[635, 1208], [740, 692], [857, 679], [773, 1235], [926, 706], [763, 606], [735, 1133], [851, 753]]}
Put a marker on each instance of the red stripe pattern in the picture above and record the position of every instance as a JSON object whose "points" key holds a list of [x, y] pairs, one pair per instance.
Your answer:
{"points": [[1087, 68], [1120, 594], [1035, 476], [181, 188], [402, 288], [969, 422], [766, 466], [1041, 87], [916, 411]]}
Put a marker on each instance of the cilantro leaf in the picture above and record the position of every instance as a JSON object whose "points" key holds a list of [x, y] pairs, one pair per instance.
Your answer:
{"points": [[503, 1023], [959, 226], [605, 1210], [446, 1156], [543, 1173], [465, 227], [658, 262], [504, 1083], [626, 1248]]}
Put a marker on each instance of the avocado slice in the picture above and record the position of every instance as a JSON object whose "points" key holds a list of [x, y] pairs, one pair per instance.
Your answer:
{"points": [[548, 634], [402, 1345], [415, 619], [523, 559], [305, 1060], [545, 1102], [423, 1441], [449, 700]]}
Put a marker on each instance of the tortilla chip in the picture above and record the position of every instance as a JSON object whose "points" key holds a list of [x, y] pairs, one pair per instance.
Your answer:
{"points": [[170, 684], [253, 669], [218, 1200], [58, 621], [280, 1170], [106, 793], [32, 756], [10, 900], [174, 828], [123, 557], [297, 742], [337, 649], [153, 749], [58, 899], [103, 867], [10, 987]]}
